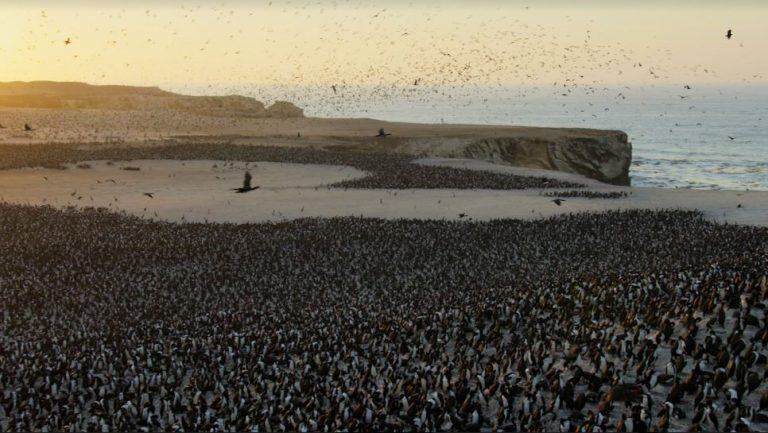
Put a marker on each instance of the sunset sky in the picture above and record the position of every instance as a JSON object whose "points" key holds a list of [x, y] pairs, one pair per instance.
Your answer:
{"points": [[438, 43]]}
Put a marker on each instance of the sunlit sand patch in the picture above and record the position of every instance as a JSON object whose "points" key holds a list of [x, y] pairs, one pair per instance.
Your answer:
{"points": [[165, 189], [202, 191]]}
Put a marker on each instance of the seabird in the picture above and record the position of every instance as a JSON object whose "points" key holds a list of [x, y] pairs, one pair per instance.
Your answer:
{"points": [[27, 127], [382, 133], [729, 34], [246, 184], [558, 201]]}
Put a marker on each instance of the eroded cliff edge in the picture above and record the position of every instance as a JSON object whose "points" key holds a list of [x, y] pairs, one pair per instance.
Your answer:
{"points": [[604, 155], [606, 158]]}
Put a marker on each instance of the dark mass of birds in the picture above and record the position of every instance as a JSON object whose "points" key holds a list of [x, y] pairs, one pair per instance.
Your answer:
{"points": [[386, 171], [585, 193], [623, 321]]}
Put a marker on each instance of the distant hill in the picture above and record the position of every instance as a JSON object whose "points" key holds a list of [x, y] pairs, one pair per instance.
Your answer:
{"points": [[73, 95]]}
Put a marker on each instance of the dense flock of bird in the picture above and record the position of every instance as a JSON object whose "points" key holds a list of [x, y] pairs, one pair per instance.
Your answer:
{"points": [[586, 193], [109, 126], [623, 321], [393, 171], [415, 54]]}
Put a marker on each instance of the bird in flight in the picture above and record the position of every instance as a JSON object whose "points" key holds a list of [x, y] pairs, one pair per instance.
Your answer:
{"points": [[149, 194], [687, 87], [462, 215], [729, 34], [382, 133], [246, 184], [67, 41], [558, 201], [732, 138]]}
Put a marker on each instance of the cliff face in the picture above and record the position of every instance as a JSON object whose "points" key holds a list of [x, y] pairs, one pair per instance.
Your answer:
{"points": [[601, 155], [47, 94], [606, 158]]}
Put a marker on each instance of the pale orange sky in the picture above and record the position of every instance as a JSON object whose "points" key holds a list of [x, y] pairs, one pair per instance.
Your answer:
{"points": [[305, 43]]}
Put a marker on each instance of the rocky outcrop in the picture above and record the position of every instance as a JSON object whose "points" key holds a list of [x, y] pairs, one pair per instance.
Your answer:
{"points": [[283, 109], [49, 94], [606, 157]]}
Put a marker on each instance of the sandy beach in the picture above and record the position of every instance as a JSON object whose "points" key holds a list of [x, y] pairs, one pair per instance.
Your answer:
{"points": [[199, 191]]}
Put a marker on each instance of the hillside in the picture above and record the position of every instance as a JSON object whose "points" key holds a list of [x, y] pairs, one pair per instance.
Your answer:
{"points": [[73, 95]]}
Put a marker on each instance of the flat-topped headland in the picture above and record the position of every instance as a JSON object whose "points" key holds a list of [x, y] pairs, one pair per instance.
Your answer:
{"points": [[83, 113]]}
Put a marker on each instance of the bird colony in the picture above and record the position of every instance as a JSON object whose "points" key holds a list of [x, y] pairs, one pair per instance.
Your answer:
{"points": [[622, 321]]}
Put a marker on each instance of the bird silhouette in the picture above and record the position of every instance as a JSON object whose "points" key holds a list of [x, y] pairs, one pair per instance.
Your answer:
{"points": [[149, 194], [382, 133], [729, 34], [67, 41], [27, 127], [246, 184], [558, 201]]}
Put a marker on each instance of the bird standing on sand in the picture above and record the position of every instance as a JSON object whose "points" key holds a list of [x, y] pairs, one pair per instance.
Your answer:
{"points": [[27, 127]]}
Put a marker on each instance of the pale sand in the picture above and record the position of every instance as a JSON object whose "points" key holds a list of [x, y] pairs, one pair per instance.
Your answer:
{"points": [[190, 190]]}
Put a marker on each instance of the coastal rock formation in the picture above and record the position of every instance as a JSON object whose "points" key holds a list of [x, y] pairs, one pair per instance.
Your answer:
{"points": [[57, 95], [284, 109], [605, 157]]}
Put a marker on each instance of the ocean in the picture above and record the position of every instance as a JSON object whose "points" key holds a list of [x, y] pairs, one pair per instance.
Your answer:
{"points": [[705, 137]]}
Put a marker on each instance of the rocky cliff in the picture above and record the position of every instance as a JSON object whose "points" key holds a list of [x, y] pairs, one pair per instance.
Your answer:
{"points": [[597, 154], [605, 158], [48, 94]]}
